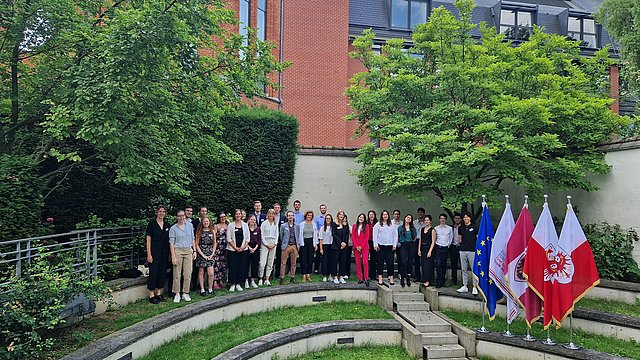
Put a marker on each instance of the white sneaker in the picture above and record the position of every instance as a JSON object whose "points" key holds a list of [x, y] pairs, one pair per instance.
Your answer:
{"points": [[176, 299], [239, 288], [324, 279], [253, 284], [233, 288], [342, 281], [336, 281], [186, 297], [475, 291], [267, 283], [260, 282], [464, 289], [246, 284]]}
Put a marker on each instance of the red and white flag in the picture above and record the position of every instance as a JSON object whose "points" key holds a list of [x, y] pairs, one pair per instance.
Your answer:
{"points": [[540, 265], [497, 264], [574, 270], [516, 252]]}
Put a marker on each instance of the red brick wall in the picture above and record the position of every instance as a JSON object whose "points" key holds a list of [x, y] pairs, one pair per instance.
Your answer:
{"points": [[614, 77]]}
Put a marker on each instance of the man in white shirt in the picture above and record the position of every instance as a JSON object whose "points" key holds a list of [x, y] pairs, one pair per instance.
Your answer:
{"points": [[454, 249], [418, 223], [444, 238]]}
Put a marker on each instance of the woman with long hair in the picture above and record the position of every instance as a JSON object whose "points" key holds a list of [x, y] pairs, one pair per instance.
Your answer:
{"points": [[253, 258], [328, 249], [372, 220], [269, 246], [157, 241], [341, 236], [237, 246], [206, 246], [406, 237], [385, 241], [220, 255], [360, 234], [425, 250], [309, 235]]}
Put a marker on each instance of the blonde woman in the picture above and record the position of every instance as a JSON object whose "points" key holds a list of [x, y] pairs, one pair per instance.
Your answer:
{"points": [[341, 238], [237, 250], [268, 248]]}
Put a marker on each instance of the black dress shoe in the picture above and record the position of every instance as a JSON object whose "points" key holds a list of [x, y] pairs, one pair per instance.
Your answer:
{"points": [[366, 282], [402, 282], [161, 298], [154, 300], [408, 281], [360, 281]]}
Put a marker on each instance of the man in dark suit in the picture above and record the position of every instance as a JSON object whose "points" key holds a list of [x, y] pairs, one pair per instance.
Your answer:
{"points": [[260, 216]]}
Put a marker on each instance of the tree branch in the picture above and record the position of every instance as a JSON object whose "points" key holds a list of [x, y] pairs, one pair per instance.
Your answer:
{"points": [[104, 13], [59, 182], [63, 168]]}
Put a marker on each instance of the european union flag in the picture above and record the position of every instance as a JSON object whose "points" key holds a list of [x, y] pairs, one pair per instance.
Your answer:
{"points": [[490, 292]]}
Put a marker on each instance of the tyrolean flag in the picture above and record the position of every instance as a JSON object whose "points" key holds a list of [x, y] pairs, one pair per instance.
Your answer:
{"points": [[486, 285]]}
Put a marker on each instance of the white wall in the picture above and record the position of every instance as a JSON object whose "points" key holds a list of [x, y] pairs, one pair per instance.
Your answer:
{"points": [[326, 179]]}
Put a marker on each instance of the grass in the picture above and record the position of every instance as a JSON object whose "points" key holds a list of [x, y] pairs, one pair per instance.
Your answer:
{"points": [[223, 336], [359, 352], [615, 307], [473, 320], [71, 339]]}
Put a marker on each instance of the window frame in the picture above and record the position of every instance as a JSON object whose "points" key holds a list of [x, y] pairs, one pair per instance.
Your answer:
{"points": [[581, 18], [262, 33], [410, 25], [532, 11]]}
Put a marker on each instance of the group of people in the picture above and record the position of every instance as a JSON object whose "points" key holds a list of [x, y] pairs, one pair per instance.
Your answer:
{"points": [[252, 249]]}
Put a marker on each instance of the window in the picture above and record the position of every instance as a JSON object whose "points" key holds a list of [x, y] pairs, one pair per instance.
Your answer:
{"points": [[262, 20], [583, 29], [244, 18], [516, 24], [406, 14]]}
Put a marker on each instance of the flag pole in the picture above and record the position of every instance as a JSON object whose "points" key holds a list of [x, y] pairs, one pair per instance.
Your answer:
{"points": [[548, 341], [528, 337], [508, 332], [484, 305], [571, 345]]}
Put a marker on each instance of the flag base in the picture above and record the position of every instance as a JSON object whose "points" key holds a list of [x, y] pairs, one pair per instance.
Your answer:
{"points": [[482, 330], [529, 338], [571, 346], [508, 334], [548, 342]]}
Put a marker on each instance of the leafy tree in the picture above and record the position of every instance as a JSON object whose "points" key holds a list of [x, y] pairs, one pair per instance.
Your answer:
{"points": [[135, 88], [460, 117], [621, 18]]}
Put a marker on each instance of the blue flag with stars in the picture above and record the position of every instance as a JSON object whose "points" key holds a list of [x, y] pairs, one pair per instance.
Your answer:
{"points": [[486, 286]]}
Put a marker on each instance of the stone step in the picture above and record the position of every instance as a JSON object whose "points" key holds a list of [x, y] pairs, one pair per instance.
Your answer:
{"points": [[425, 322], [407, 296], [410, 306], [439, 338], [443, 351]]}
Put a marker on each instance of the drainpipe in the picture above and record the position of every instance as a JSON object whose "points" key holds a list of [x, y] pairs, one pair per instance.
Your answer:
{"points": [[280, 56]]}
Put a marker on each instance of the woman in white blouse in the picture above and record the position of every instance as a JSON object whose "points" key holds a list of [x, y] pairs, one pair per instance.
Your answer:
{"points": [[385, 241], [269, 232]]}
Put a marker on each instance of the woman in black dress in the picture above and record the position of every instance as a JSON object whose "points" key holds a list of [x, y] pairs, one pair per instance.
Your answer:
{"points": [[206, 248], [220, 255], [425, 250], [157, 241]]}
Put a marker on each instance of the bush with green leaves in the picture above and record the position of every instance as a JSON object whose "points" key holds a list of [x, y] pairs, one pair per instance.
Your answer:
{"points": [[612, 249], [31, 310], [266, 139]]}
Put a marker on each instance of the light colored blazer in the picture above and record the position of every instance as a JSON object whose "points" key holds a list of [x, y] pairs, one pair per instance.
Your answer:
{"points": [[301, 230], [269, 233], [231, 235], [284, 235]]}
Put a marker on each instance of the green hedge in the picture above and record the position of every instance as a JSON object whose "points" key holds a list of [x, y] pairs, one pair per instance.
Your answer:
{"points": [[612, 249], [20, 198], [266, 140]]}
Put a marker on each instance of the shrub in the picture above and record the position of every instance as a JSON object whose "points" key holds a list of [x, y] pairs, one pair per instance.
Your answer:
{"points": [[613, 251], [32, 309], [266, 139]]}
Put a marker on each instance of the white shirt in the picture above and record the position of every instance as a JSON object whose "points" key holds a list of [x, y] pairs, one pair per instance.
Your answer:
{"points": [[325, 236], [444, 235], [269, 232], [385, 235]]}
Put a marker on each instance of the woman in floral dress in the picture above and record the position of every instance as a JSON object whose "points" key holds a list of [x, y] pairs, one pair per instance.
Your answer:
{"points": [[206, 248], [220, 257]]}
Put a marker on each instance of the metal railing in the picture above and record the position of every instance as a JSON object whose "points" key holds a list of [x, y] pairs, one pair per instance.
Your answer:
{"points": [[91, 252]]}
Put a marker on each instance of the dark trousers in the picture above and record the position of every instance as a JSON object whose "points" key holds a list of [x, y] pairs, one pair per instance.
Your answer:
{"points": [[426, 263], [405, 258], [417, 266], [385, 255], [237, 266], [276, 262], [253, 263], [158, 268], [317, 262], [329, 260], [454, 259], [441, 264], [373, 262], [306, 257], [345, 261]]}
